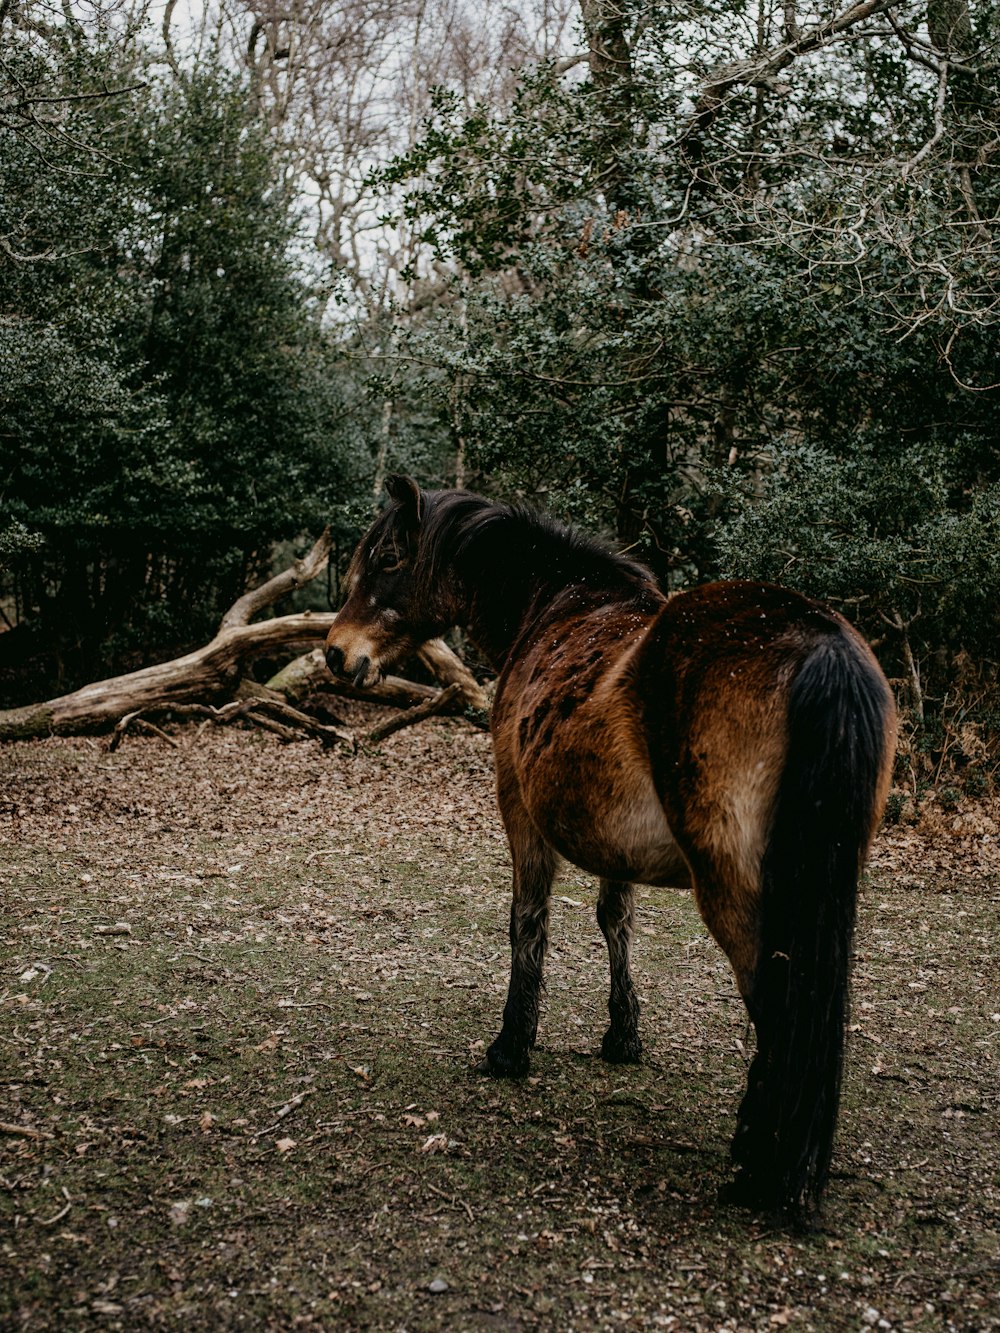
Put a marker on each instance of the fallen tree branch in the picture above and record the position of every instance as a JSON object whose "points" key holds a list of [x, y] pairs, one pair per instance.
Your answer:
{"points": [[56, 1217], [449, 668], [140, 717], [24, 1131], [427, 709], [270, 713], [297, 576], [309, 673], [212, 674], [208, 673], [295, 718], [151, 729]]}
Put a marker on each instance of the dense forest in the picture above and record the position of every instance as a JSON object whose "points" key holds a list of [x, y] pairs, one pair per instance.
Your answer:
{"points": [[719, 279]]}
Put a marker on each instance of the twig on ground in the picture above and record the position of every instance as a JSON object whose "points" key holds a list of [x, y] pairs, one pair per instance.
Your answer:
{"points": [[218, 716], [283, 1112], [57, 1217], [24, 1131], [272, 714], [153, 730], [418, 714], [452, 1199]]}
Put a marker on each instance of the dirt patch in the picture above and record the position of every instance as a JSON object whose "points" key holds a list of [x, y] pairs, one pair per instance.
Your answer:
{"points": [[242, 989]]}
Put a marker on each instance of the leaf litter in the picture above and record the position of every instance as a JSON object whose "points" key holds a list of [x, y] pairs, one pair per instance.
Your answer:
{"points": [[256, 1105]]}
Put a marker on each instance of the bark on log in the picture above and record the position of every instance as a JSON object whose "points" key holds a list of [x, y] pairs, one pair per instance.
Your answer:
{"points": [[449, 669]]}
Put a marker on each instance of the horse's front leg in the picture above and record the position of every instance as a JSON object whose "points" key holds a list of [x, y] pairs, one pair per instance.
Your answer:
{"points": [[534, 870], [616, 917]]}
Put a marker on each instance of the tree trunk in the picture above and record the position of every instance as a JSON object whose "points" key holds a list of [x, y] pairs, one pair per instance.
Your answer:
{"points": [[610, 60]]}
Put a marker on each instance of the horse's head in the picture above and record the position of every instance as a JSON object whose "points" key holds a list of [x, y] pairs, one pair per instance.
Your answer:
{"points": [[387, 614]]}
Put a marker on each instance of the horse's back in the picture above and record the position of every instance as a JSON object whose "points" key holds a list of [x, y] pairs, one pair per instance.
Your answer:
{"points": [[643, 741], [715, 671]]}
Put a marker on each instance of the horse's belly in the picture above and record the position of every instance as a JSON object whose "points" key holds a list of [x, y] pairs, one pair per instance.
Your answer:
{"points": [[624, 836]]}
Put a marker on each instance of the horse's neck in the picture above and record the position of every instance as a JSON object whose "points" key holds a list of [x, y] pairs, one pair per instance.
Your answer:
{"points": [[516, 575], [497, 616]]}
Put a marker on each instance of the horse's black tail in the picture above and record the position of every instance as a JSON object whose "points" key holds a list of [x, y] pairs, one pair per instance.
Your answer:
{"points": [[840, 730]]}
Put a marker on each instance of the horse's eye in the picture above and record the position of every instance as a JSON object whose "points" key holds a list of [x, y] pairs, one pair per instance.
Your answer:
{"points": [[390, 563]]}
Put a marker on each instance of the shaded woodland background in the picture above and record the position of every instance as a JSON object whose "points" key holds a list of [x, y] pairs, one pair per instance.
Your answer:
{"points": [[718, 279]]}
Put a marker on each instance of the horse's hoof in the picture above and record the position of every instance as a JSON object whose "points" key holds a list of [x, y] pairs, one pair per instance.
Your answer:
{"points": [[740, 1192], [748, 1191], [621, 1050], [501, 1064]]}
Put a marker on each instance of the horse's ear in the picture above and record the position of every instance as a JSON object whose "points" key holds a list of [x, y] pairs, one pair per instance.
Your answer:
{"points": [[405, 491]]}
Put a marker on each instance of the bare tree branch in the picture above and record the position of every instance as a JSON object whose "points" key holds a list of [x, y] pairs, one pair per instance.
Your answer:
{"points": [[301, 573], [762, 69], [438, 704]]}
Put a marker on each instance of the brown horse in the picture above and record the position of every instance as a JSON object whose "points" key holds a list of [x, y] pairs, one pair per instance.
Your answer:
{"points": [[737, 737]]}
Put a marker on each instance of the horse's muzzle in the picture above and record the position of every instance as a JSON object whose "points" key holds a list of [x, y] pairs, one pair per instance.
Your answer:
{"points": [[357, 674]]}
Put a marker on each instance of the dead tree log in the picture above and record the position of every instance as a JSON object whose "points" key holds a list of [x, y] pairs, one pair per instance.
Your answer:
{"points": [[208, 674], [449, 669], [309, 673], [211, 675]]}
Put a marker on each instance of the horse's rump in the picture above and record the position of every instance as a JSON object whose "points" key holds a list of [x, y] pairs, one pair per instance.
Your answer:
{"points": [[772, 749], [713, 680]]}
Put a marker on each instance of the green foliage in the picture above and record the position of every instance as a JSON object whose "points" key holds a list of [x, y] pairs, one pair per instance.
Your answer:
{"points": [[16, 540], [478, 183], [170, 405], [878, 530]]}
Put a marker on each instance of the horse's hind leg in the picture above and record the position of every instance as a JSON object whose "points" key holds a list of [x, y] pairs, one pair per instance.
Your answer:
{"points": [[729, 904], [534, 871], [615, 916]]}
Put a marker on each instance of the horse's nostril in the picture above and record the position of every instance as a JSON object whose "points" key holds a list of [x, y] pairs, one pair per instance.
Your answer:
{"points": [[335, 661]]}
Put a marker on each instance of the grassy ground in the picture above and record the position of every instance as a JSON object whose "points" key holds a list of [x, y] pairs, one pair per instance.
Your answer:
{"points": [[242, 989]]}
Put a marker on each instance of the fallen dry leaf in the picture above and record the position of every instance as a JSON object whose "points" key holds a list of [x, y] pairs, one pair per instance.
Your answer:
{"points": [[436, 1143]]}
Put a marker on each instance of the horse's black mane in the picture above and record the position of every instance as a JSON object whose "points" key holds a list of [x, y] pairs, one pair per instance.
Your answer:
{"points": [[488, 540]]}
